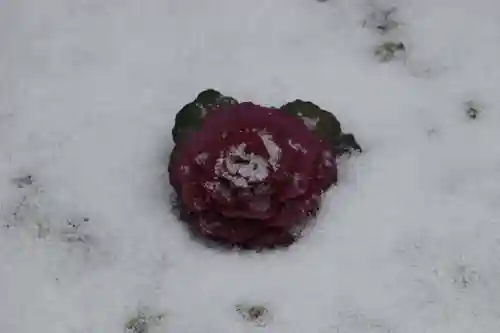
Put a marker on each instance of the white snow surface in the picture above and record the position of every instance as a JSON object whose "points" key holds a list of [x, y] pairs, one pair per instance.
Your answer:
{"points": [[408, 242]]}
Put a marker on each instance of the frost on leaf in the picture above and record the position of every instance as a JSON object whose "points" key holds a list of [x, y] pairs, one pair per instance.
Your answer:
{"points": [[324, 125], [273, 150], [297, 146], [241, 168], [310, 123]]}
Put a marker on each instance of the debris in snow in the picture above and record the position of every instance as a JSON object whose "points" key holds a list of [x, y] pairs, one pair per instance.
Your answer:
{"points": [[26, 211], [23, 182], [73, 233], [389, 51], [142, 322], [473, 109], [256, 314]]}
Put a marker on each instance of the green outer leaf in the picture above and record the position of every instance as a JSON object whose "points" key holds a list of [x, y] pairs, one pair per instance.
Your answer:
{"points": [[190, 117], [319, 121], [323, 124]]}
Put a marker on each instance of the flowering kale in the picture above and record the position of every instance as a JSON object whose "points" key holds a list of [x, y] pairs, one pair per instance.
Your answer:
{"points": [[252, 176]]}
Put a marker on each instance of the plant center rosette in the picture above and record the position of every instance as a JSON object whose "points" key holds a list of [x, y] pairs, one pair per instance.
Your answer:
{"points": [[251, 176]]}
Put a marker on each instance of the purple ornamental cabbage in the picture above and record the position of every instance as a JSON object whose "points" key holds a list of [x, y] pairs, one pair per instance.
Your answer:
{"points": [[251, 176]]}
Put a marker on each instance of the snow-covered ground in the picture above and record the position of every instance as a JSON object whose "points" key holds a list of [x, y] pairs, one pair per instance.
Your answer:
{"points": [[409, 242]]}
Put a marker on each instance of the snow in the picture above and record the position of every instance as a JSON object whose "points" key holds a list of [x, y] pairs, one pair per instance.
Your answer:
{"points": [[297, 146], [273, 150], [407, 242], [240, 167], [310, 123]]}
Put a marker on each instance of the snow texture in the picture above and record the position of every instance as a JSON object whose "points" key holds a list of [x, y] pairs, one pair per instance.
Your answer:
{"points": [[240, 167], [311, 123], [273, 150], [408, 242]]}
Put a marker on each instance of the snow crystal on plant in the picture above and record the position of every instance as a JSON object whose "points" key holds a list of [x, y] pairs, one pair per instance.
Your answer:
{"points": [[202, 109], [310, 122], [241, 167], [273, 150], [327, 158], [297, 146], [254, 170]]}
